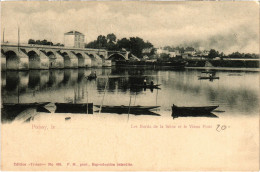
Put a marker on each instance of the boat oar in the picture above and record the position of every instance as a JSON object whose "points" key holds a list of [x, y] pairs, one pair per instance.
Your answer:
{"points": [[87, 102], [135, 97], [104, 95], [129, 107]]}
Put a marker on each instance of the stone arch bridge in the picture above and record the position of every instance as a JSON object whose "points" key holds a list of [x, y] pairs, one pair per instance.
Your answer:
{"points": [[30, 56]]}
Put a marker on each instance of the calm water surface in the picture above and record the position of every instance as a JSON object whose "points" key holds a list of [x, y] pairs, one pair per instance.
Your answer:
{"points": [[236, 92]]}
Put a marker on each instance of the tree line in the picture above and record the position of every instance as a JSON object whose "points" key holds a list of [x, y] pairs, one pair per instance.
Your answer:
{"points": [[110, 42], [43, 42], [212, 53]]}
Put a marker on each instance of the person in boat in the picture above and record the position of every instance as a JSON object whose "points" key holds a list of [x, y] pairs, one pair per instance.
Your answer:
{"points": [[144, 81], [152, 83], [93, 75]]}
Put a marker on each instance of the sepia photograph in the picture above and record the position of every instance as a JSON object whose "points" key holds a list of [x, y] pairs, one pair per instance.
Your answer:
{"points": [[130, 86]]}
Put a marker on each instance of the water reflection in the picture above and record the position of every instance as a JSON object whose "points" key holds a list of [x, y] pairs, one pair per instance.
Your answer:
{"points": [[236, 94]]}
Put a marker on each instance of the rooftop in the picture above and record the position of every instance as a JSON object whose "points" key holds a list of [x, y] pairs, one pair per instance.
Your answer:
{"points": [[73, 33]]}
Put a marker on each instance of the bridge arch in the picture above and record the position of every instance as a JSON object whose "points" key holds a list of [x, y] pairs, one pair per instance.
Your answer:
{"points": [[102, 57], [36, 51], [92, 56], [12, 60], [34, 60], [81, 60], [67, 61], [116, 56], [52, 58]]}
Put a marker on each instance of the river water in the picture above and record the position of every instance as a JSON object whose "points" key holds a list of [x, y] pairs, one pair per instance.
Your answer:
{"points": [[236, 91]]}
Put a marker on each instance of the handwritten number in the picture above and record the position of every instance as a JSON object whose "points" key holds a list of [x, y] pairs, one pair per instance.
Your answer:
{"points": [[221, 127]]}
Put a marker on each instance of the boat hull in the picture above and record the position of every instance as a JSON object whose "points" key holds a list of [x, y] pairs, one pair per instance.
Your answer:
{"points": [[10, 111], [86, 108], [135, 110], [193, 110]]}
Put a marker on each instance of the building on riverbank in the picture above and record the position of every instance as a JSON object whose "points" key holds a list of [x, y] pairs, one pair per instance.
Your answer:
{"points": [[74, 39]]}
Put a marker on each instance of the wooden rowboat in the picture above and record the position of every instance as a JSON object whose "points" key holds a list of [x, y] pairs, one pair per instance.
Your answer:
{"points": [[192, 110], [207, 115], [24, 105], [136, 110], [11, 110], [74, 108], [91, 76]]}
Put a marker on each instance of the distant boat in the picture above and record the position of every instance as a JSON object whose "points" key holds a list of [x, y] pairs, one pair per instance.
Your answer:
{"points": [[155, 86], [234, 74], [208, 77], [192, 110], [209, 72], [86, 108], [92, 76]]}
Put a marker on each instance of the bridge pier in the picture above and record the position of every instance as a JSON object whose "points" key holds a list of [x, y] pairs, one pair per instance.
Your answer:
{"points": [[37, 59], [3, 61], [106, 63], [44, 61], [56, 61], [98, 60], [95, 60], [83, 59], [70, 59], [87, 60]]}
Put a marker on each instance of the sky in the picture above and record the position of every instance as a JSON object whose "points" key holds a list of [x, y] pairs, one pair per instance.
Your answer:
{"points": [[224, 26]]}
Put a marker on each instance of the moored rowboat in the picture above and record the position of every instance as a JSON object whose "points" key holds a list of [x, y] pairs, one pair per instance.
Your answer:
{"points": [[74, 108], [136, 110], [24, 105], [201, 109]]}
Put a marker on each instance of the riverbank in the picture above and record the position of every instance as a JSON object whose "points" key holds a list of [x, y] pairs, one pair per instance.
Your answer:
{"points": [[225, 68], [193, 63], [223, 63]]}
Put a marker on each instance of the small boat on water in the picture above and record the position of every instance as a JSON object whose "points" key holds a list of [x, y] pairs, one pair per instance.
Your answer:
{"points": [[208, 77], [211, 75], [86, 108], [136, 110], [90, 77], [213, 72], [192, 110], [155, 86]]}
